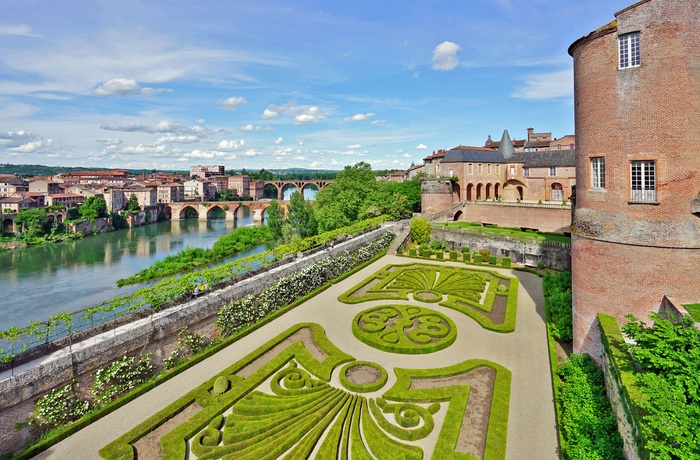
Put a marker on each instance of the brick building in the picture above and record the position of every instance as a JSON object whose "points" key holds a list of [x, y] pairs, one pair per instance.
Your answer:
{"points": [[10, 185], [206, 171], [636, 225], [481, 173]]}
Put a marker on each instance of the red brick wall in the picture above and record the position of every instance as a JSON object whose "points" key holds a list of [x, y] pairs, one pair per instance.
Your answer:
{"points": [[540, 218], [629, 255]]}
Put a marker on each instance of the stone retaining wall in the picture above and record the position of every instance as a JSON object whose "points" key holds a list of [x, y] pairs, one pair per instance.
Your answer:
{"points": [[550, 254], [157, 333]]}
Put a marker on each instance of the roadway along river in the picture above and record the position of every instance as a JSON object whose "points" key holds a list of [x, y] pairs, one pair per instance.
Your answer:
{"points": [[38, 282]]}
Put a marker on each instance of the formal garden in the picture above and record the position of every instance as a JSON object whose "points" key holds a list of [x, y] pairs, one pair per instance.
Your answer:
{"points": [[303, 395]]}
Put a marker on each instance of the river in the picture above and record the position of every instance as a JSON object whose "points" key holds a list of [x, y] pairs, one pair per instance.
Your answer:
{"points": [[38, 282]]}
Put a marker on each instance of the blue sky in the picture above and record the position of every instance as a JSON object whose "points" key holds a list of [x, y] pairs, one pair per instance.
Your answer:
{"points": [[279, 84]]}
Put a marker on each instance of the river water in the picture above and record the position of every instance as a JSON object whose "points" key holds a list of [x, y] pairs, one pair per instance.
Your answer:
{"points": [[38, 282]]}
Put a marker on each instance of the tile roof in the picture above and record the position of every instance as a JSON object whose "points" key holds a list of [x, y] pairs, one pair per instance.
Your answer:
{"points": [[547, 158], [463, 154]]}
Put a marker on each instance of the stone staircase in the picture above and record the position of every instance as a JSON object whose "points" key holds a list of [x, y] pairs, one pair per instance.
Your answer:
{"points": [[401, 236]]}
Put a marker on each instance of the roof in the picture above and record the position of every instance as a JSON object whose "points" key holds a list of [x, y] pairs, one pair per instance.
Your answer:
{"points": [[537, 144], [546, 158], [463, 154]]}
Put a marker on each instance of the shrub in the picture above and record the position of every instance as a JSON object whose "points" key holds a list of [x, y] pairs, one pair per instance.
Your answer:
{"points": [[493, 260], [539, 201], [454, 255], [420, 230], [506, 261], [587, 422], [221, 385], [485, 253], [557, 291], [477, 258], [465, 250], [412, 252], [439, 255], [120, 377], [59, 407]]}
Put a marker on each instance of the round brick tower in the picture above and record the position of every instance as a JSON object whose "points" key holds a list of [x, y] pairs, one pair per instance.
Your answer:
{"points": [[636, 224]]}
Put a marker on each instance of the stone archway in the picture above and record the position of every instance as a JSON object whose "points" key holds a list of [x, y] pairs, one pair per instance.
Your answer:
{"points": [[470, 192], [8, 226], [557, 192], [456, 192], [458, 215], [497, 191], [488, 191], [189, 212], [479, 188]]}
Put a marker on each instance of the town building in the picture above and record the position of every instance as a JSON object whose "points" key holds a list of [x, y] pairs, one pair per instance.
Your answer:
{"points": [[45, 186], [68, 200], [242, 185], [484, 174], [171, 193], [146, 196], [10, 185], [636, 222], [207, 171], [16, 203], [199, 190]]}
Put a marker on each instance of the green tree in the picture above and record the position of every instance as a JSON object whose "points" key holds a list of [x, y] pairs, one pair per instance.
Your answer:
{"points": [[420, 230], [342, 202], [93, 208], [301, 216], [133, 204], [34, 222], [275, 220]]}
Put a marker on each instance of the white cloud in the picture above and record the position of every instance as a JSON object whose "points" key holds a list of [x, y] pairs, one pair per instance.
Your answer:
{"points": [[232, 103], [110, 141], [161, 127], [299, 158], [406, 155], [360, 116], [546, 86], [117, 87], [251, 153], [22, 30], [316, 164], [268, 113], [445, 56], [311, 114], [279, 140], [231, 145], [378, 122], [354, 146], [421, 147], [182, 139], [247, 128], [209, 154], [301, 141], [200, 121]]}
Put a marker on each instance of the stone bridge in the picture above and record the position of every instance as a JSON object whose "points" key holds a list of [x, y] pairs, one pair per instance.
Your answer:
{"points": [[300, 185], [177, 211], [9, 225]]}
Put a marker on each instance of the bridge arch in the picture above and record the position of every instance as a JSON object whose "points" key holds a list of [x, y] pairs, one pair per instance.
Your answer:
{"points": [[8, 225], [189, 212], [216, 212]]}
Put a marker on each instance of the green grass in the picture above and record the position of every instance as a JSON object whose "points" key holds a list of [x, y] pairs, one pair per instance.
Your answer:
{"points": [[507, 231], [694, 310]]}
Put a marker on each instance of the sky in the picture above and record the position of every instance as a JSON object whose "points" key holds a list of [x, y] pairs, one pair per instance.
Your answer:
{"points": [[275, 84]]}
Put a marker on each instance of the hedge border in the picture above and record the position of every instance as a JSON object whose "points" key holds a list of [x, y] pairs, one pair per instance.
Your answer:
{"points": [[622, 368], [445, 342], [453, 301], [458, 396], [63, 433], [175, 446], [360, 387]]}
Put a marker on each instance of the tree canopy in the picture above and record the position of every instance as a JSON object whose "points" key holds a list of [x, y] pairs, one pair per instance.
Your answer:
{"points": [[93, 208]]}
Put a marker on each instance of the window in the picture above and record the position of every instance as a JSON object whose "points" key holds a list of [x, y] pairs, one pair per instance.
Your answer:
{"points": [[630, 53], [471, 168], [552, 170], [452, 173], [643, 181], [489, 168], [498, 170], [526, 171], [598, 172], [480, 168]]}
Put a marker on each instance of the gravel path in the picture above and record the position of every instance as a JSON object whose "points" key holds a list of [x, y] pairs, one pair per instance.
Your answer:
{"points": [[532, 425]]}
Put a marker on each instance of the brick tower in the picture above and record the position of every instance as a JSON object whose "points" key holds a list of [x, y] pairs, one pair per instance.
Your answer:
{"points": [[636, 225]]}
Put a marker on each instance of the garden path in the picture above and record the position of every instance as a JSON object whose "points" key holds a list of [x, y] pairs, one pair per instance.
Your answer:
{"points": [[532, 424]]}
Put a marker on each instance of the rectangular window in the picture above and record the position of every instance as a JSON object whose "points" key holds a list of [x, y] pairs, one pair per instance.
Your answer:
{"points": [[480, 168], [643, 181], [489, 168], [552, 170], [526, 171], [498, 170], [598, 172], [630, 52], [471, 168]]}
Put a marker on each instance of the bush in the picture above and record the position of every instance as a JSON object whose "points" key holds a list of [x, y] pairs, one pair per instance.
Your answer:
{"points": [[454, 255], [493, 260], [557, 291], [59, 407], [587, 422], [466, 256], [221, 385], [506, 262], [412, 252], [477, 258], [420, 230], [120, 377], [439, 255], [485, 253], [465, 250]]}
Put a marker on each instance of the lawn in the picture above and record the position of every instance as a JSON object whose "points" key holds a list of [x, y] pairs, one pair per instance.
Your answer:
{"points": [[694, 310], [507, 231]]}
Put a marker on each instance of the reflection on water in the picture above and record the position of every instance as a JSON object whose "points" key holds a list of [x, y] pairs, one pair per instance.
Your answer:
{"points": [[37, 282]]}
